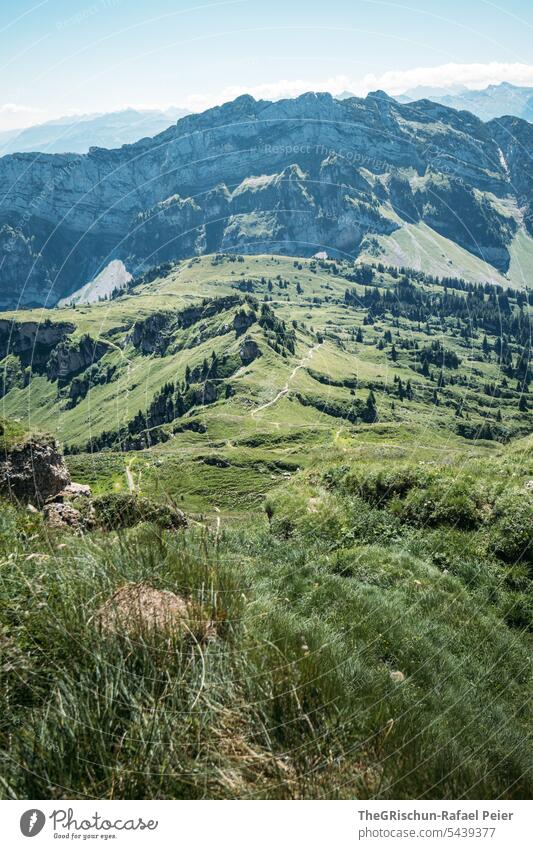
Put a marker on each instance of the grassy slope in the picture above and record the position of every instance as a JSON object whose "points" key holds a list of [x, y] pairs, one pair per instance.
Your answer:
{"points": [[419, 246], [11, 433], [364, 648]]}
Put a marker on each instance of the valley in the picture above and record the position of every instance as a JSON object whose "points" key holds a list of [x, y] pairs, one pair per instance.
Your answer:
{"points": [[225, 351]]}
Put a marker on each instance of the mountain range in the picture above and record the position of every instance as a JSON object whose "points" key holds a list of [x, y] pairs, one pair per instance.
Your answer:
{"points": [[79, 133], [488, 103], [418, 185]]}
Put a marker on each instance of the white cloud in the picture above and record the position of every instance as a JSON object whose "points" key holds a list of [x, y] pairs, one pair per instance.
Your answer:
{"points": [[14, 116], [472, 76], [268, 91], [11, 108]]}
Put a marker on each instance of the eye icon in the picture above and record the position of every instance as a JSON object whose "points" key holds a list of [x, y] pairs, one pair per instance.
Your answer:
{"points": [[32, 822]]}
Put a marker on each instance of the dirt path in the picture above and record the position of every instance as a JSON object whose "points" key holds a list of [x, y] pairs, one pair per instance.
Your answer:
{"points": [[285, 389], [129, 478]]}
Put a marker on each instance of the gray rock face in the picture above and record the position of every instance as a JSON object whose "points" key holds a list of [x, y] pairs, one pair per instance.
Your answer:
{"points": [[207, 393], [62, 516], [33, 471], [32, 341], [249, 351], [69, 358], [242, 321], [147, 334], [250, 176]]}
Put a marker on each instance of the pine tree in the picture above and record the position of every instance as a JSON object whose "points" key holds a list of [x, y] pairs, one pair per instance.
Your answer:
{"points": [[371, 413]]}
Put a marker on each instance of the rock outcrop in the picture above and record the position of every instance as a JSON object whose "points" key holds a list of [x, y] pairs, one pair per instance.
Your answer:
{"points": [[71, 508], [33, 471], [249, 350], [242, 321], [32, 341], [72, 357], [148, 334], [60, 516]]}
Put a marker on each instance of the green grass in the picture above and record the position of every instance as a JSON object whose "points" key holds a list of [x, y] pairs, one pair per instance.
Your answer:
{"points": [[11, 433], [419, 246], [295, 697]]}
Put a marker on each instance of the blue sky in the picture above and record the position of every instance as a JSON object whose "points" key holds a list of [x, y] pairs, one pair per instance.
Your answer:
{"points": [[76, 56]]}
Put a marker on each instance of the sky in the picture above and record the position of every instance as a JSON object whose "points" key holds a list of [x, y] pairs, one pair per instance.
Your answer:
{"points": [[63, 57]]}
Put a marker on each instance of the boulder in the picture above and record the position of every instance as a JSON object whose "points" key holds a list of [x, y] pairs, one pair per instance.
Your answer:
{"points": [[63, 516], [72, 507], [71, 492], [138, 608], [33, 471]]}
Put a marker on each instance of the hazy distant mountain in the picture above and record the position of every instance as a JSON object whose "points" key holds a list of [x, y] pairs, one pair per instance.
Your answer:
{"points": [[345, 95], [423, 184], [76, 134], [5, 138], [488, 103]]}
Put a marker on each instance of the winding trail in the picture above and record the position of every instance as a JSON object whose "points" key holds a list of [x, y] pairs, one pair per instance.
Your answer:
{"points": [[285, 389], [129, 477]]}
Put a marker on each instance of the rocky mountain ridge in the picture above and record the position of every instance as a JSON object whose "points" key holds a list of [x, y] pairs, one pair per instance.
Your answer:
{"points": [[292, 177]]}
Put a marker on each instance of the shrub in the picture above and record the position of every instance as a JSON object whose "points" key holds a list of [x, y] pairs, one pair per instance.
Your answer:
{"points": [[441, 504], [379, 487], [124, 510], [512, 532], [519, 611]]}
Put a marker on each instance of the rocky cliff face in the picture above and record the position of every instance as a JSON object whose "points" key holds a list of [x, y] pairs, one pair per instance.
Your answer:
{"points": [[32, 341], [69, 358], [292, 177]]}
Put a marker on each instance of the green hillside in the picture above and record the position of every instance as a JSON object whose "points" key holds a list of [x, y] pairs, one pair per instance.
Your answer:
{"points": [[352, 447], [450, 361]]}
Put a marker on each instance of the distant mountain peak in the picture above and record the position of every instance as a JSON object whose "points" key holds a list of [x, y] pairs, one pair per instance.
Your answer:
{"points": [[379, 94]]}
